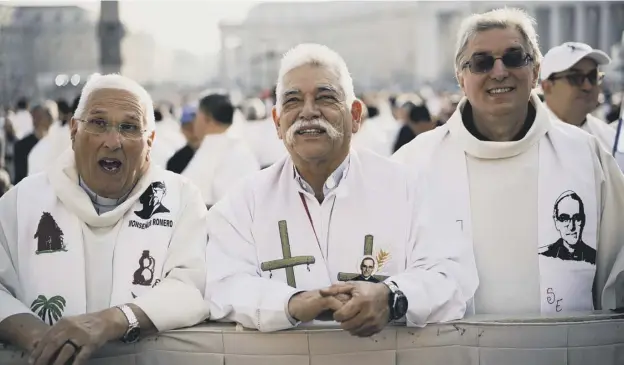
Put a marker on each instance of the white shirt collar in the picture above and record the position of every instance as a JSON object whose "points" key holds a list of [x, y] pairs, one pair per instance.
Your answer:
{"points": [[332, 181], [100, 203]]}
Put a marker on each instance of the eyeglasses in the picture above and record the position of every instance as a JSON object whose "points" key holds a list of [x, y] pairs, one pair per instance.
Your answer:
{"points": [[577, 79], [566, 218], [127, 130], [483, 63]]}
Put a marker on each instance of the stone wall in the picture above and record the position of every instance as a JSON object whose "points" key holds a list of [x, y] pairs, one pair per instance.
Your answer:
{"points": [[572, 339]]}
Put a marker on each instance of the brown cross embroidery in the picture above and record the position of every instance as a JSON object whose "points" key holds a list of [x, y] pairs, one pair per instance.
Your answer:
{"points": [[287, 262]]}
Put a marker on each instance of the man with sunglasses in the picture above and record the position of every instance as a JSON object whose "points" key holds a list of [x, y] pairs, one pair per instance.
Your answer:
{"points": [[571, 83], [103, 245], [501, 162]]}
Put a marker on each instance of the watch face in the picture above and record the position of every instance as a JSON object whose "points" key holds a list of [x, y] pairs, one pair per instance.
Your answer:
{"points": [[132, 335], [400, 306]]}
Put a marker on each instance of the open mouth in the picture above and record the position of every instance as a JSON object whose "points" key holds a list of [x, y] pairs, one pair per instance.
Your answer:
{"points": [[500, 90], [311, 131], [111, 165]]}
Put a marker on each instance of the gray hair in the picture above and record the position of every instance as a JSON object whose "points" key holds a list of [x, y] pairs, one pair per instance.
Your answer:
{"points": [[497, 19], [115, 81], [317, 55]]}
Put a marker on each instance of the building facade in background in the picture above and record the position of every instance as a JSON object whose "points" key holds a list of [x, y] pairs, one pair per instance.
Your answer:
{"points": [[392, 45], [46, 51]]}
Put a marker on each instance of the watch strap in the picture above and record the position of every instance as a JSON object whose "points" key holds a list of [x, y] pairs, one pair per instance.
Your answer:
{"points": [[133, 322]]}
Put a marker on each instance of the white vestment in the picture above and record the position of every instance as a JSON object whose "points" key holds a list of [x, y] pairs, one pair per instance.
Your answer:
{"points": [[161, 152], [429, 262], [373, 137], [601, 130], [168, 131], [261, 137], [505, 194], [58, 254], [597, 128], [220, 162], [22, 124], [49, 148]]}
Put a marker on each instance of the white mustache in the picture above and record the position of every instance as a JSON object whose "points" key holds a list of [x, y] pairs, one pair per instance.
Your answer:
{"points": [[331, 131]]}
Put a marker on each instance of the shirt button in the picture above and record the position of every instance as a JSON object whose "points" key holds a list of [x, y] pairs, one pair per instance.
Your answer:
{"points": [[330, 183]]}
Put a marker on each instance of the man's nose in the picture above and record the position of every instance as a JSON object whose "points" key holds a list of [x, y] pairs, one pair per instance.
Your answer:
{"points": [[499, 71], [310, 110], [572, 225], [586, 85], [112, 139]]}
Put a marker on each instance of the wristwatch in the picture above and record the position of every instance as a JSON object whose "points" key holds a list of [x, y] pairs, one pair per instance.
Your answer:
{"points": [[134, 331], [397, 301]]}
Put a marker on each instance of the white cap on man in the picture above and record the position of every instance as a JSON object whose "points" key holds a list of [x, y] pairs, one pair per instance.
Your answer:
{"points": [[561, 58]]}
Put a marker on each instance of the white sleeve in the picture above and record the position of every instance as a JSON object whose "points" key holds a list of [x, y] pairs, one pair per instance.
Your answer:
{"points": [[9, 280], [177, 301], [610, 245], [441, 275], [239, 164], [235, 289]]}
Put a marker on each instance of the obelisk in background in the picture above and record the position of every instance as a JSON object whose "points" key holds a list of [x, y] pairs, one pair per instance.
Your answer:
{"points": [[110, 33]]}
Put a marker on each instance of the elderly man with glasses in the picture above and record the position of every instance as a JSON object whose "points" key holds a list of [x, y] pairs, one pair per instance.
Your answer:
{"points": [[498, 169], [103, 245], [571, 83]]}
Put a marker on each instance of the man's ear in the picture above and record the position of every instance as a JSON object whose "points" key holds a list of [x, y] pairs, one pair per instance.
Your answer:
{"points": [[150, 139], [460, 80], [276, 121], [356, 115]]}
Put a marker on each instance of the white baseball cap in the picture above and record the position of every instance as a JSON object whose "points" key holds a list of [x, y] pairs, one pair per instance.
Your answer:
{"points": [[561, 58]]}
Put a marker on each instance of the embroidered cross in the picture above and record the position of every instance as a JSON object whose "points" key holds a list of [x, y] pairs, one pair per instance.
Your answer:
{"points": [[287, 262], [368, 252]]}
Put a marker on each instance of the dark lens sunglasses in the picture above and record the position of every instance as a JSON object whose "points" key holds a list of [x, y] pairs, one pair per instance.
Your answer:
{"points": [[483, 63], [577, 79]]}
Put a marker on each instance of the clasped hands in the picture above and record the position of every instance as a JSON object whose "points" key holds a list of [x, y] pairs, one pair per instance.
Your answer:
{"points": [[360, 307], [72, 340]]}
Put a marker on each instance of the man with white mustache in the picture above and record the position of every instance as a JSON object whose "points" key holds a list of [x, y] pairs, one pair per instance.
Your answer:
{"points": [[285, 247]]}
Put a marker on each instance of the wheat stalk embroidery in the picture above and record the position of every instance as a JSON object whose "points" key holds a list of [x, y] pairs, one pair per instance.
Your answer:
{"points": [[382, 258]]}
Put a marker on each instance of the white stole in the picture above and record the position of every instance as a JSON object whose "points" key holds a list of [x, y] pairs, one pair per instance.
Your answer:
{"points": [[565, 165], [358, 210], [51, 240]]}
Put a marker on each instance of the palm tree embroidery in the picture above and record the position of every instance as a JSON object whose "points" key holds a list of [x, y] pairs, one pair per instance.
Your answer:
{"points": [[49, 235], [51, 309]]}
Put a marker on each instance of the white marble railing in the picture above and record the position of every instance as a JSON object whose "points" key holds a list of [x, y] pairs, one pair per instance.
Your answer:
{"points": [[572, 339]]}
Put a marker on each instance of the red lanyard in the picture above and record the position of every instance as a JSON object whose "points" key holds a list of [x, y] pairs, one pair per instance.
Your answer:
{"points": [[305, 205]]}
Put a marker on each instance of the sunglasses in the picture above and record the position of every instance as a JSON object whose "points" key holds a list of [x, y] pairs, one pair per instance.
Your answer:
{"points": [[577, 79], [482, 63]]}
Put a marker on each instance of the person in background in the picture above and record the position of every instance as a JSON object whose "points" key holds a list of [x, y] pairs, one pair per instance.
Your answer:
{"points": [[180, 160], [418, 121], [571, 83], [42, 120], [222, 159]]}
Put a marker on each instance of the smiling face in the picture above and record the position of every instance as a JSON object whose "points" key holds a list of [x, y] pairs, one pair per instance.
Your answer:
{"points": [[315, 121], [502, 90], [108, 163]]}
